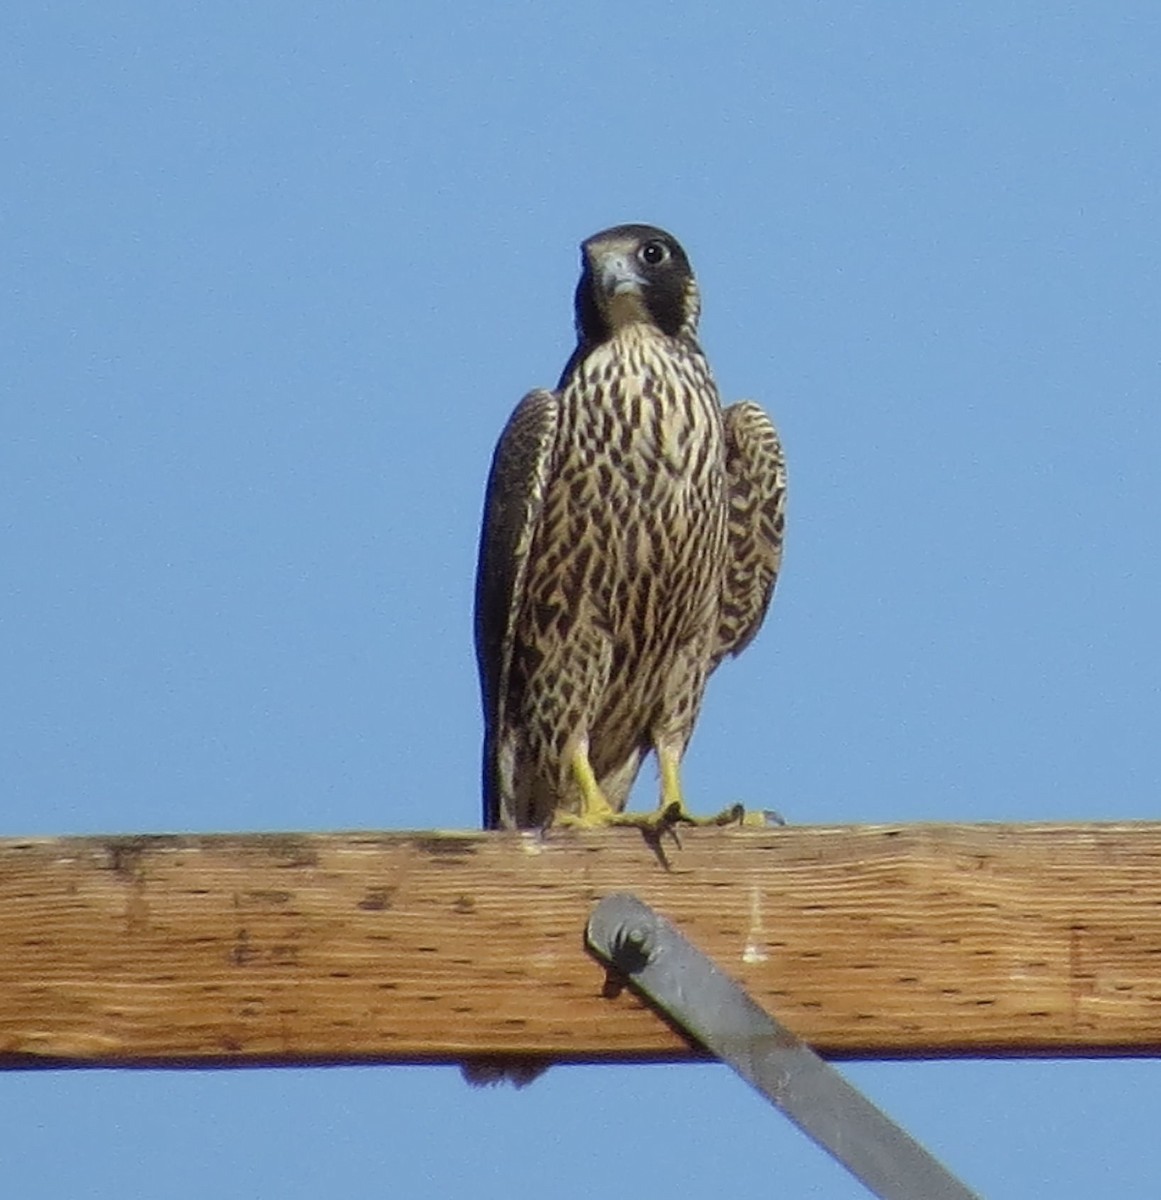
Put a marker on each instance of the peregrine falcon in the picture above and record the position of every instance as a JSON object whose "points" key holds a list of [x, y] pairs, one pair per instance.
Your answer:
{"points": [[631, 539]]}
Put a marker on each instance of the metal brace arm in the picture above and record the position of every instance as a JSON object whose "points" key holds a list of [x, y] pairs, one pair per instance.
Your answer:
{"points": [[675, 977]]}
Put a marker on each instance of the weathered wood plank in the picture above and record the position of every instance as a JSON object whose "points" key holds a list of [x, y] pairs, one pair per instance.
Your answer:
{"points": [[870, 941]]}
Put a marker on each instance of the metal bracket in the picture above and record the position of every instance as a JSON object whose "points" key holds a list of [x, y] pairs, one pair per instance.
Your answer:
{"points": [[675, 977]]}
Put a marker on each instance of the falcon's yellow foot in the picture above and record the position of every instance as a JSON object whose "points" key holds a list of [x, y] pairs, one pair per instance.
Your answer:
{"points": [[669, 815], [672, 812], [663, 819]]}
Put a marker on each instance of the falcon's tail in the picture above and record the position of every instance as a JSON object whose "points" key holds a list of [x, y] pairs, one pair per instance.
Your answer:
{"points": [[502, 1068]]}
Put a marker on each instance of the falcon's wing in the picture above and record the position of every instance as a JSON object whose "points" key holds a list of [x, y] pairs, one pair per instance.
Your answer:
{"points": [[520, 471], [756, 479]]}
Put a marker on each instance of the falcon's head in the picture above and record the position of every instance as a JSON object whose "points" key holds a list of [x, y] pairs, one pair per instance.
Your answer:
{"points": [[635, 273]]}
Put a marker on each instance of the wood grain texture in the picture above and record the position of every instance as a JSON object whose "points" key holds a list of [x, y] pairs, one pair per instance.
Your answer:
{"points": [[909, 941]]}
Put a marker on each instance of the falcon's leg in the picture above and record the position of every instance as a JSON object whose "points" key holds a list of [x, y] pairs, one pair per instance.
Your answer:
{"points": [[597, 813], [684, 686], [672, 810], [595, 810]]}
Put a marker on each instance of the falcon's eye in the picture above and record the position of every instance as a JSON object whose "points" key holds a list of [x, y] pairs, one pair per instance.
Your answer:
{"points": [[653, 253]]}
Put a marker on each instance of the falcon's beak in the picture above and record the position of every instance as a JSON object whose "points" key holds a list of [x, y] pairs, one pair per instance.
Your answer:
{"points": [[617, 285], [618, 274]]}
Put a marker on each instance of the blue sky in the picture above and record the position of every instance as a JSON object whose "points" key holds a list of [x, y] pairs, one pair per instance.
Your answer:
{"points": [[275, 276]]}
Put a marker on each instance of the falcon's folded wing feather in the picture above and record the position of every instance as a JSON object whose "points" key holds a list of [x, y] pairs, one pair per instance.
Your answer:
{"points": [[520, 471], [756, 481]]}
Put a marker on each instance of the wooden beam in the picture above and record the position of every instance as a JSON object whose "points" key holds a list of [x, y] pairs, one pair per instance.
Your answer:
{"points": [[869, 941]]}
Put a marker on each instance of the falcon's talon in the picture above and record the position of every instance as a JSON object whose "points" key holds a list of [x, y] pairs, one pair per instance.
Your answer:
{"points": [[734, 815]]}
